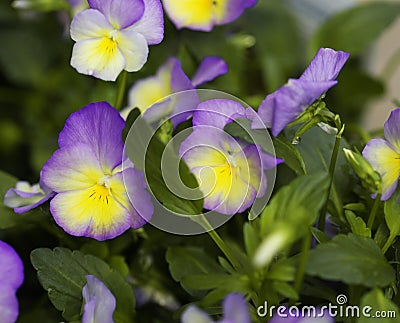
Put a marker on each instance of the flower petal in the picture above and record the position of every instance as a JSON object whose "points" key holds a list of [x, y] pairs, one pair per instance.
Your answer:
{"points": [[72, 168], [121, 13], [151, 25], [99, 126], [229, 10], [386, 162], [23, 202], [209, 69], [100, 303], [235, 309], [179, 80], [193, 314], [134, 48], [99, 57], [392, 129], [325, 66], [11, 267], [8, 304], [89, 24]]}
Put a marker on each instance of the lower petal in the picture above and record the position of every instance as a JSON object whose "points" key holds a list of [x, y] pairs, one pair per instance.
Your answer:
{"points": [[134, 48], [8, 304]]}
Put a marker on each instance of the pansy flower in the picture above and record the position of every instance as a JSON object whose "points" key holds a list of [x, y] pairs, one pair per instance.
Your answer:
{"points": [[235, 310], [170, 78], [99, 302], [25, 197], [285, 104], [230, 171], [205, 14], [113, 36], [94, 193], [384, 155], [11, 278]]}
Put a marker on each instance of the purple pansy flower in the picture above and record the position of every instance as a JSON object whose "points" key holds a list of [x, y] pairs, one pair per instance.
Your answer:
{"points": [[11, 278], [230, 171], [285, 104], [384, 155], [94, 193], [25, 197], [205, 14], [100, 303], [235, 310], [171, 78], [113, 36]]}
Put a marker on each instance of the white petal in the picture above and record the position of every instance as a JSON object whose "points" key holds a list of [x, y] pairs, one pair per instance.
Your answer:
{"points": [[94, 57], [88, 24], [134, 48]]}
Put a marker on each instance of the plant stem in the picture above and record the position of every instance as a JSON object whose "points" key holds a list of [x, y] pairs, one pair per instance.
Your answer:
{"points": [[388, 243], [305, 250], [202, 220], [121, 90], [332, 165], [374, 210]]}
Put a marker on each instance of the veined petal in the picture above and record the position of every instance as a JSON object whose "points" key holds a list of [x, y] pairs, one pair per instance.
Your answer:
{"points": [[11, 267], [92, 212], [72, 168], [392, 129], [325, 66], [99, 126], [235, 309], [386, 162], [90, 24], [134, 48], [99, 57], [121, 13], [151, 25], [193, 314], [100, 303], [8, 304], [209, 69]]}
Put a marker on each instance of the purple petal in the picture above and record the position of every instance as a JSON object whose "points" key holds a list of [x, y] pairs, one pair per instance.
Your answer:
{"points": [[392, 129], [217, 113], [234, 9], [209, 69], [120, 13], [235, 309], [266, 111], [8, 304], [179, 80], [151, 25], [100, 126], [325, 66], [11, 267], [100, 303]]}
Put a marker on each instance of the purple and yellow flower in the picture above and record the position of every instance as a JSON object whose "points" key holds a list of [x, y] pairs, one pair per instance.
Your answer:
{"points": [[230, 172], [25, 197], [384, 155], [99, 302], [235, 310], [94, 193], [205, 14], [11, 278], [285, 104], [170, 78], [113, 36]]}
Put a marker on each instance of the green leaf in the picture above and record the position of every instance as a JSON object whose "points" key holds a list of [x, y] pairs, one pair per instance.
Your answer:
{"points": [[357, 224], [251, 239], [62, 273], [375, 301], [392, 214], [285, 290], [319, 235], [235, 282], [351, 259], [355, 29]]}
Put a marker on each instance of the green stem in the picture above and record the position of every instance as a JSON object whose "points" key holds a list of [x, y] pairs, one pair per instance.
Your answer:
{"points": [[388, 243], [332, 165], [202, 220], [121, 90], [305, 250], [374, 210]]}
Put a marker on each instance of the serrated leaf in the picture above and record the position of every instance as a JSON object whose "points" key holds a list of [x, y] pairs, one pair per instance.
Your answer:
{"points": [[357, 224], [62, 273], [376, 301], [352, 259]]}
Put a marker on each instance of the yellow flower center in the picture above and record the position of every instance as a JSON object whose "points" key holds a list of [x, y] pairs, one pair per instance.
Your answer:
{"points": [[101, 191], [108, 45]]}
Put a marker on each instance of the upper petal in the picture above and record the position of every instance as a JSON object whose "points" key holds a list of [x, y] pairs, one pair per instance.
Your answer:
{"points": [[325, 66], [134, 48], [151, 25], [99, 126], [392, 129], [89, 24], [72, 168], [209, 69], [100, 303], [99, 57], [11, 267], [120, 13], [386, 162]]}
